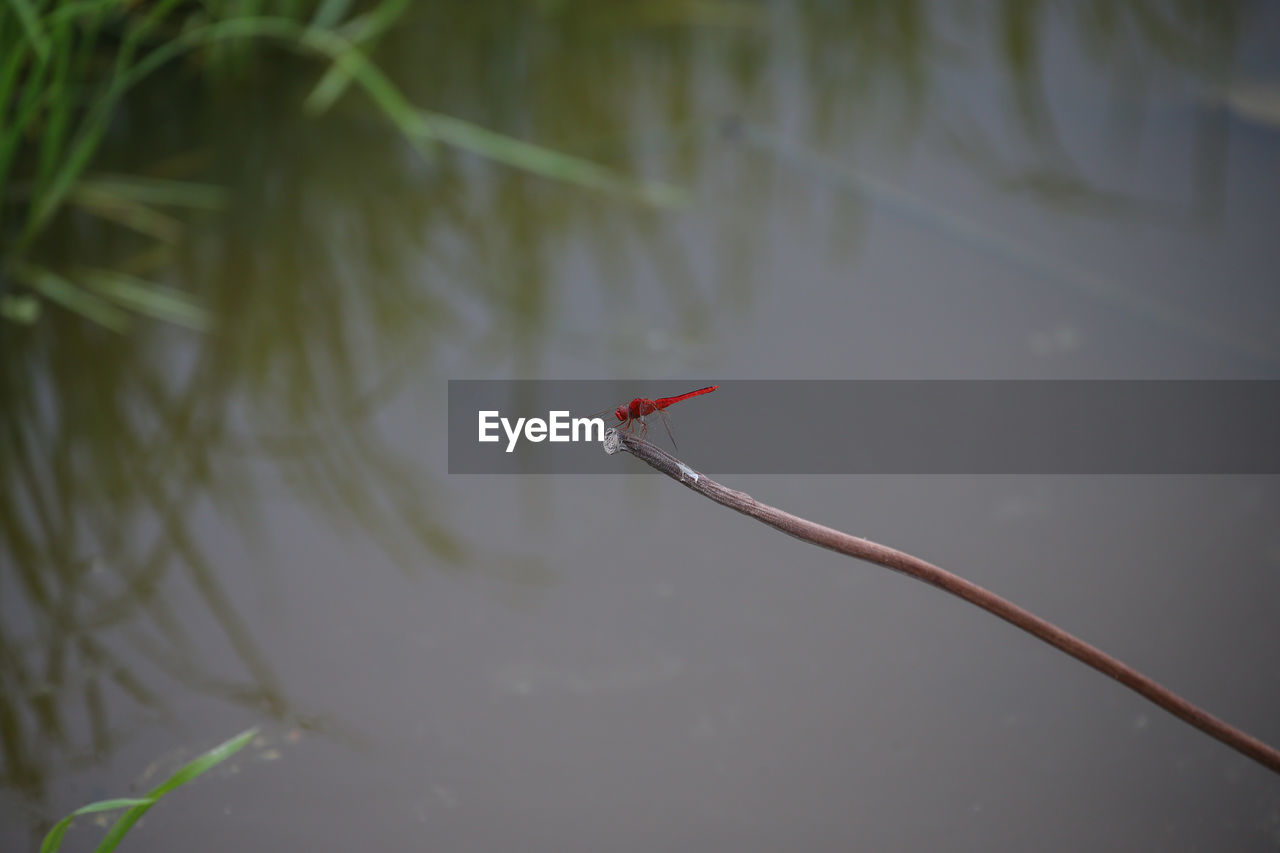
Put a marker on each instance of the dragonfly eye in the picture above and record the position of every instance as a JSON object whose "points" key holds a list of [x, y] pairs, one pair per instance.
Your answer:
{"points": [[621, 413]]}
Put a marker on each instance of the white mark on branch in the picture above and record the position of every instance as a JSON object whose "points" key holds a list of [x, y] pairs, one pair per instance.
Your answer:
{"points": [[612, 441]]}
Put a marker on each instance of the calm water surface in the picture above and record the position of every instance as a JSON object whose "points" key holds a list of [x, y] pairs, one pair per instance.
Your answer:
{"points": [[254, 524]]}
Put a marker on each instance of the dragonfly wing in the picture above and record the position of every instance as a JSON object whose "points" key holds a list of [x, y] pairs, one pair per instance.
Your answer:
{"points": [[603, 413], [667, 427]]}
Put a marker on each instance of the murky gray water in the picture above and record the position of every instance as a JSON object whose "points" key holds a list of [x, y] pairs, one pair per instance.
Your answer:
{"points": [[255, 526]]}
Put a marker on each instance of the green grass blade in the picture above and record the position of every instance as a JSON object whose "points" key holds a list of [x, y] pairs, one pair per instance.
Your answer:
{"points": [[149, 298], [23, 100], [204, 763], [185, 774], [139, 31], [132, 202], [330, 12], [360, 30], [31, 23], [421, 126], [154, 191], [547, 162], [55, 288], [53, 839], [52, 197], [82, 10], [59, 104], [138, 217], [14, 61]]}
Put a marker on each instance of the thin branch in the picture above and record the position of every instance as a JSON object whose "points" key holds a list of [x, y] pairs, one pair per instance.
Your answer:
{"points": [[891, 558]]}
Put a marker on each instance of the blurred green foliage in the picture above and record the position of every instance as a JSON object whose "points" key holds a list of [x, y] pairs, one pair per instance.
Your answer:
{"points": [[66, 68]]}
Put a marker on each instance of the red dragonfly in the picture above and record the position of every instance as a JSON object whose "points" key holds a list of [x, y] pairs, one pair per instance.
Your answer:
{"points": [[636, 412]]}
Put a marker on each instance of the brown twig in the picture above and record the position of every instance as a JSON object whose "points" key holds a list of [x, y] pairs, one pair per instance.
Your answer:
{"points": [[899, 561]]}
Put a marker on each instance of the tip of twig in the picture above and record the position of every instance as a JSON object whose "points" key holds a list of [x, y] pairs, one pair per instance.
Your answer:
{"points": [[612, 441]]}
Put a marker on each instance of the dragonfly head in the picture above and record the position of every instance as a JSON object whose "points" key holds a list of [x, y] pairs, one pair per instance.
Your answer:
{"points": [[621, 413]]}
